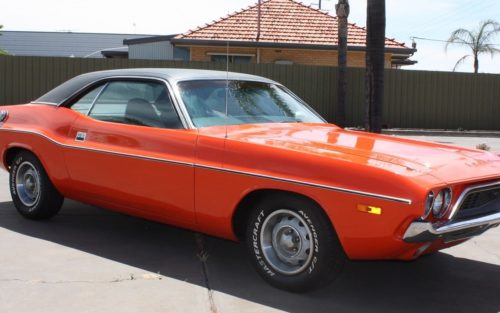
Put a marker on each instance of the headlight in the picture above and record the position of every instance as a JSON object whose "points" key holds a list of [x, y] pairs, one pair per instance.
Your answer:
{"points": [[438, 204], [441, 203]]}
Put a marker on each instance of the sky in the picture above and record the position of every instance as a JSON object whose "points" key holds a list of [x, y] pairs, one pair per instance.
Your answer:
{"points": [[431, 19]]}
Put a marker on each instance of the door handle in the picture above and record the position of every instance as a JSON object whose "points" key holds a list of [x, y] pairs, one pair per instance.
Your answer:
{"points": [[80, 136]]}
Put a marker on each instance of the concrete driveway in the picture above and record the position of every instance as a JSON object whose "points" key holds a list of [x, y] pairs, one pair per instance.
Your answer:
{"points": [[90, 260]]}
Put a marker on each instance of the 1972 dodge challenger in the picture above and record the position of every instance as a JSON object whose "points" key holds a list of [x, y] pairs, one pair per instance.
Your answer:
{"points": [[241, 157]]}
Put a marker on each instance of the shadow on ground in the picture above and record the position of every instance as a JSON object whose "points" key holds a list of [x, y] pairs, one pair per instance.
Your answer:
{"points": [[438, 283]]}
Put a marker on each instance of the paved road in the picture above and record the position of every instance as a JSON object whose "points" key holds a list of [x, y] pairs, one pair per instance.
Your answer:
{"points": [[90, 260]]}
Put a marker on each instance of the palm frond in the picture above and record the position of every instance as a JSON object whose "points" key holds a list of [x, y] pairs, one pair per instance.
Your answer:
{"points": [[2, 52], [460, 61], [479, 40], [462, 37], [490, 49], [487, 35]]}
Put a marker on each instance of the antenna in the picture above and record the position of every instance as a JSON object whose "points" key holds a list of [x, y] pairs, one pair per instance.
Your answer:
{"points": [[258, 20], [227, 83]]}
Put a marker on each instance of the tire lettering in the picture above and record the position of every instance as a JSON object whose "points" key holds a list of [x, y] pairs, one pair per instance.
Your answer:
{"points": [[313, 264], [256, 247], [314, 260], [13, 176], [313, 230]]}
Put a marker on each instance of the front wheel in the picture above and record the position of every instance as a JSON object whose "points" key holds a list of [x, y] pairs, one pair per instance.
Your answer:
{"points": [[33, 194], [292, 244]]}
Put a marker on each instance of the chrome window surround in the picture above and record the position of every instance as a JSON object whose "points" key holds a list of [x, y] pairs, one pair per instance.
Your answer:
{"points": [[103, 87], [184, 117], [173, 92], [179, 98]]}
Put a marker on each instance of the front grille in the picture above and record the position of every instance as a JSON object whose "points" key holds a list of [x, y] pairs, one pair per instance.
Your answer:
{"points": [[479, 202], [480, 198]]}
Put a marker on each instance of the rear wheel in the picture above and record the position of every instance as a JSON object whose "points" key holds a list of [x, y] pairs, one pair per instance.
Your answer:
{"points": [[292, 244], [33, 194]]}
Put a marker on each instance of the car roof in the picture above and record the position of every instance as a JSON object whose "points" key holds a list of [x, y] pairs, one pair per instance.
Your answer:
{"points": [[173, 75]]}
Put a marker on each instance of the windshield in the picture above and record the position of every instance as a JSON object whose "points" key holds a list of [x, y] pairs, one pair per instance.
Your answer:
{"points": [[247, 103]]}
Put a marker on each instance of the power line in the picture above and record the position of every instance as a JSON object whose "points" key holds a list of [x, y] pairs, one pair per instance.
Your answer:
{"points": [[456, 14], [441, 40]]}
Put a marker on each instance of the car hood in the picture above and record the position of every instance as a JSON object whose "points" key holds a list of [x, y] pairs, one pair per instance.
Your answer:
{"points": [[446, 163]]}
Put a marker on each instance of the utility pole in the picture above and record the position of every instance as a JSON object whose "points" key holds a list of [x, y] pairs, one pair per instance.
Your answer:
{"points": [[342, 10], [374, 77]]}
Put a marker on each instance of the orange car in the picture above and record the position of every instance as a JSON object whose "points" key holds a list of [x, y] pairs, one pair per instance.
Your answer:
{"points": [[241, 157]]}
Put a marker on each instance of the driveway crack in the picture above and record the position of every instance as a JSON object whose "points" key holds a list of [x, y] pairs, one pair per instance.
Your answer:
{"points": [[202, 255]]}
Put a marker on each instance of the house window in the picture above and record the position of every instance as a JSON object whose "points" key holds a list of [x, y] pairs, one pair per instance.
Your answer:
{"points": [[181, 53], [283, 62], [232, 58]]}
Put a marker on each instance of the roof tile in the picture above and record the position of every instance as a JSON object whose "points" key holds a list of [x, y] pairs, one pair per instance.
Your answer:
{"points": [[284, 21]]}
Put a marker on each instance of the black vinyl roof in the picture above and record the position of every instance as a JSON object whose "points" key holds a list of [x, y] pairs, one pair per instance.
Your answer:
{"points": [[64, 91]]}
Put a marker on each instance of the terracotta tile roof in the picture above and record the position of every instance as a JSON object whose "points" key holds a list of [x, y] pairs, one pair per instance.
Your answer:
{"points": [[282, 21]]}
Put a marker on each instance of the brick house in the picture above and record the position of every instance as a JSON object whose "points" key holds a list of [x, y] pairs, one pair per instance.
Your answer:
{"points": [[289, 32]]}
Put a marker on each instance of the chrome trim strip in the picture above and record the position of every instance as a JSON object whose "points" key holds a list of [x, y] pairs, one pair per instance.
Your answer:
{"points": [[287, 180], [299, 182], [103, 87], [484, 220], [466, 192], [130, 155], [43, 102], [136, 156], [179, 104], [420, 231]]}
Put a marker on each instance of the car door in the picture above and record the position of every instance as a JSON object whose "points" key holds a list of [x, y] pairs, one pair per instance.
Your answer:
{"points": [[129, 151]]}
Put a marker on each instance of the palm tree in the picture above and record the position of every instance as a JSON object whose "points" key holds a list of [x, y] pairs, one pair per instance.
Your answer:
{"points": [[374, 77], [2, 52], [342, 9], [478, 40]]}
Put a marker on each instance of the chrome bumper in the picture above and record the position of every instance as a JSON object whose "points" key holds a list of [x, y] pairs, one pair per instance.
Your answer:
{"points": [[420, 231]]}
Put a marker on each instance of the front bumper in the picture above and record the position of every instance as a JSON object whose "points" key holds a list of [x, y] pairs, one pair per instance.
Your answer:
{"points": [[421, 231]]}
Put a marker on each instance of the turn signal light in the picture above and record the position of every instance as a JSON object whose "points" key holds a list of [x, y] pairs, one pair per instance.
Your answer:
{"points": [[370, 209]]}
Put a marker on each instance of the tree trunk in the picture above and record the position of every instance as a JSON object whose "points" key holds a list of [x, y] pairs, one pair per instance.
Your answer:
{"points": [[476, 63], [374, 78], [342, 13]]}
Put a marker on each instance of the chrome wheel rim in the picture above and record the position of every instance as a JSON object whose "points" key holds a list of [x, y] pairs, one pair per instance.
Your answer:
{"points": [[28, 184], [286, 242]]}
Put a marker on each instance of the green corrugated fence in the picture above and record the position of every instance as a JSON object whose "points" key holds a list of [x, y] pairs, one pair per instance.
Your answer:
{"points": [[413, 99]]}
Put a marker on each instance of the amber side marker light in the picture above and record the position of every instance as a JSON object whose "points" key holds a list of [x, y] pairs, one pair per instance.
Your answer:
{"points": [[369, 209]]}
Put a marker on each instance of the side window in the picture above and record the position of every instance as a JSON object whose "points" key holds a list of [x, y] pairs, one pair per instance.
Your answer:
{"points": [[129, 102], [84, 104]]}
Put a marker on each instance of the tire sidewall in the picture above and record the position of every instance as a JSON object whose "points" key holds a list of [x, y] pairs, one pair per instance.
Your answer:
{"points": [[28, 211], [309, 276]]}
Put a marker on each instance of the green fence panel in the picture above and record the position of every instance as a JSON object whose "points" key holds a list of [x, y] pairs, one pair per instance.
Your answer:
{"points": [[412, 99]]}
